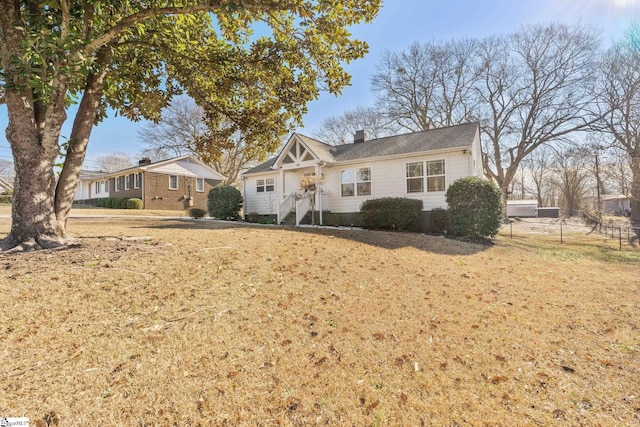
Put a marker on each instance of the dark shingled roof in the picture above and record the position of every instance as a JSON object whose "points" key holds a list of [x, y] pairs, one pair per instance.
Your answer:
{"points": [[416, 142], [263, 167]]}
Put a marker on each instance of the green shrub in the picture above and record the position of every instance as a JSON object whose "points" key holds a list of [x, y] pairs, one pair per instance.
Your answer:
{"points": [[6, 198], [196, 213], [392, 213], [99, 203], [120, 203], [134, 203], [253, 217], [224, 202], [475, 207], [438, 220], [108, 202]]}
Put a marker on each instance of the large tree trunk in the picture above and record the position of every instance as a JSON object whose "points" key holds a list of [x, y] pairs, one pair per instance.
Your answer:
{"points": [[41, 203], [33, 133], [78, 140]]}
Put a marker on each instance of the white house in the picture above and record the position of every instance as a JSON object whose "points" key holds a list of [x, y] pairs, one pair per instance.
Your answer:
{"points": [[616, 204], [418, 165]]}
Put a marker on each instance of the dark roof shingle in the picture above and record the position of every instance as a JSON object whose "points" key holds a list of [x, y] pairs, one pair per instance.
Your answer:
{"points": [[408, 143]]}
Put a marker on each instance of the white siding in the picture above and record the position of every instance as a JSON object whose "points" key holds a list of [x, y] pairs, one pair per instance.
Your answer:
{"points": [[265, 203], [388, 179], [83, 191]]}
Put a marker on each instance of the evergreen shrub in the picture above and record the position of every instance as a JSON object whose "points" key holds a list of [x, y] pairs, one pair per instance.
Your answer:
{"points": [[392, 213], [224, 202], [475, 207]]}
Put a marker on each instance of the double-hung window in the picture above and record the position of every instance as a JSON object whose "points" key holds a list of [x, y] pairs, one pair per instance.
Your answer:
{"points": [[173, 182], [435, 175], [415, 177], [363, 182], [355, 182], [137, 180], [433, 171], [265, 185], [346, 183], [200, 185]]}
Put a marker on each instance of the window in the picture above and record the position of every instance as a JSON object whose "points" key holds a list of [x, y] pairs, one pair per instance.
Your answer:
{"points": [[346, 181], [355, 182], [200, 185], [364, 182], [435, 175], [127, 182], [267, 184], [137, 180], [415, 180], [173, 182], [117, 183]]}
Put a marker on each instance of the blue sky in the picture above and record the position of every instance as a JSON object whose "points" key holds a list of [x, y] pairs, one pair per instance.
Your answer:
{"points": [[399, 23]]}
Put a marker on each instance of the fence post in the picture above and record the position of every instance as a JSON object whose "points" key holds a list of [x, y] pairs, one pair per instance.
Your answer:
{"points": [[620, 236], [561, 241], [511, 228]]}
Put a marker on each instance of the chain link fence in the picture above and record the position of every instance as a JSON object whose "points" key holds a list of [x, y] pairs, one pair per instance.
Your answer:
{"points": [[615, 234]]}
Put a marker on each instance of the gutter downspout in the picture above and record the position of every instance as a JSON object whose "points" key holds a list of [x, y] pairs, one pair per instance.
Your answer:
{"points": [[244, 197], [318, 192]]}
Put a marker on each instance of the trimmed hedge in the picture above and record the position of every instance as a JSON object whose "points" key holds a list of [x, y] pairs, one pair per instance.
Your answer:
{"points": [[224, 202], [475, 207], [392, 213], [133, 203], [6, 198]]}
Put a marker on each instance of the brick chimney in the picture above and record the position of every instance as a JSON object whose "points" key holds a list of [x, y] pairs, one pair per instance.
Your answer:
{"points": [[359, 136], [144, 161]]}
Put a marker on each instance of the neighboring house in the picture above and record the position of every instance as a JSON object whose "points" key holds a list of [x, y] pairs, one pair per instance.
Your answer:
{"points": [[172, 184], [618, 204], [83, 190], [522, 208], [419, 165]]}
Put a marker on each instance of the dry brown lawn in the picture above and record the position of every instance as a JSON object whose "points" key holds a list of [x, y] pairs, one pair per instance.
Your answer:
{"points": [[164, 322]]}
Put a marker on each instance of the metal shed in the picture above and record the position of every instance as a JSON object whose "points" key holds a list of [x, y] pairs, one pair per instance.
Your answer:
{"points": [[552, 212], [522, 208]]}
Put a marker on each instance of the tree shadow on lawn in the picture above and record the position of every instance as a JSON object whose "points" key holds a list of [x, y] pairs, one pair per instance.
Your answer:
{"points": [[382, 239]]}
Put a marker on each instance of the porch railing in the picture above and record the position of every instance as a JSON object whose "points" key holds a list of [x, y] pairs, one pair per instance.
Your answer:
{"points": [[302, 207], [286, 207]]}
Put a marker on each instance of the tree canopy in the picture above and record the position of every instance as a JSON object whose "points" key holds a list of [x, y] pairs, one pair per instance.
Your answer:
{"points": [[254, 64]]}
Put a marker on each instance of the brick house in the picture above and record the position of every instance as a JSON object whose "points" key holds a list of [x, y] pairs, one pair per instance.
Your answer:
{"points": [[172, 184]]}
